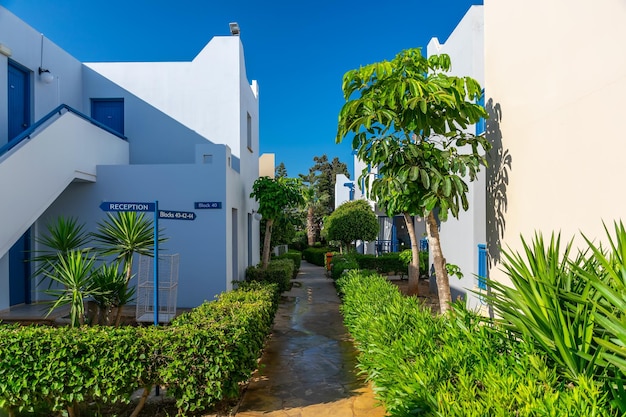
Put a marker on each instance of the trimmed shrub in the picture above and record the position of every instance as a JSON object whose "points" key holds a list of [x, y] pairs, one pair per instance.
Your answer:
{"points": [[315, 255], [201, 358], [296, 257], [279, 271], [454, 365], [383, 264], [340, 264]]}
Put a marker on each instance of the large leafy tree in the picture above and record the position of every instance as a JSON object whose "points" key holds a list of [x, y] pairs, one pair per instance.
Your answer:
{"points": [[352, 221], [275, 196], [319, 192], [408, 118]]}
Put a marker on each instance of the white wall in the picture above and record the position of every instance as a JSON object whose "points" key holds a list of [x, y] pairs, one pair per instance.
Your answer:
{"points": [[460, 237], [175, 113], [26, 46], [200, 243], [555, 74]]}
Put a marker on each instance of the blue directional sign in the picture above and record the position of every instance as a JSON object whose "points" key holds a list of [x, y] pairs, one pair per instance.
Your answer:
{"points": [[207, 205], [126, 206], [177, 215]]}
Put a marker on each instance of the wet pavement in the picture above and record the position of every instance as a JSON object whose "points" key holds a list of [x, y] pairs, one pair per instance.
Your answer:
{"points": [[308, 367]]}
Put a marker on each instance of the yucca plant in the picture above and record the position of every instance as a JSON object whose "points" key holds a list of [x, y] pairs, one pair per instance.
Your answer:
{"points": [[64, 235], [112, 290], [123, 235], [610, 281], [550, 304], [72, 270]]}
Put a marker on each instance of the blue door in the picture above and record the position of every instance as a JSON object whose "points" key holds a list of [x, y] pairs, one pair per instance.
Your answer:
{"points": [[19, 99], [109, 112], [19, 271], [19, 120]]}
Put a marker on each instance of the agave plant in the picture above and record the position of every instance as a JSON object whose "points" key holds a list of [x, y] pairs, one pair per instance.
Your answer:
{"points": [[123, 235], [550, 304], [72, 270]]}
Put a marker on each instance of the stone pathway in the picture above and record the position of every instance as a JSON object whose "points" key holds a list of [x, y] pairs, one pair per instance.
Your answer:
{"points": [[308, 367]]}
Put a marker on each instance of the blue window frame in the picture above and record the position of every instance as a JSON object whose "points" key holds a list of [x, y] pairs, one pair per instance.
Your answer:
{"points": [[482, 266], [480, 125]]}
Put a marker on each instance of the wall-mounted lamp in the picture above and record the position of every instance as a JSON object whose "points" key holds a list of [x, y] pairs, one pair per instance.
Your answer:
{"points": [[234, 29], [45, 75], [257, 216]]}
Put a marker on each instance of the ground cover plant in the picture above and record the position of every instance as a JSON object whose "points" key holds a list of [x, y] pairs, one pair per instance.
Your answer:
{"points": [[455, 364]]}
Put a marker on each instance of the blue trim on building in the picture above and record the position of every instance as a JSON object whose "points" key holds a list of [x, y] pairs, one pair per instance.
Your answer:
{"points": [[58, 111], [482, 266]]}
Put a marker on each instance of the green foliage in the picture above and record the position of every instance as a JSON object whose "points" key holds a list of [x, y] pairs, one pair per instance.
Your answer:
{"points": [[408, 119], [296, 257], [72, 271], [319, 192], [454, 364], [63, 236], [549, 304], [317, 255], [341, 263], [383, 264], [123, 235], [406, 256], [353, 220], [608, 278], [299, 242], [201, 358], [279, 272], [276, 197], [111, 290]]}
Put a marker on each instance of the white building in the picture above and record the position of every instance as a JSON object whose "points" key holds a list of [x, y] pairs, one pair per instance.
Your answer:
{"points": [[180, 133], [555, 82]]}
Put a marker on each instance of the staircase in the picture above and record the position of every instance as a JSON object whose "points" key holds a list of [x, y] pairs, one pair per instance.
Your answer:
{"points": [[36, 167]]}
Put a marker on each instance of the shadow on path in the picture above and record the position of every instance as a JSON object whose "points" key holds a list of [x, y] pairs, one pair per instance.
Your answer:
{"points": [[308, 367]]}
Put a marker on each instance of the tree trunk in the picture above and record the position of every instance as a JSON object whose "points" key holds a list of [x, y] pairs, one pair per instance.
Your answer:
{"points": [[266, 242], [443, 284], [310, 226], [128, 263], [142, 401], [414, 266]]}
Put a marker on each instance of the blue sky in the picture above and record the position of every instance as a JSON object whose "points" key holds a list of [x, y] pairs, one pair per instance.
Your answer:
{"points": [[297, 51]]}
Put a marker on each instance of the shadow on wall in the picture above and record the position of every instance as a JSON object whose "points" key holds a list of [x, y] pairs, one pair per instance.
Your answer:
{"points": [[497, 182]]}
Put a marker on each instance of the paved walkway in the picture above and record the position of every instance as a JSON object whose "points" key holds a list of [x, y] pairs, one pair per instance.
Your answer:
{"points": [[308, 367]]}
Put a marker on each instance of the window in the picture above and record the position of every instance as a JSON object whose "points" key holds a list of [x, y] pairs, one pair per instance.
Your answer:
{"points": [[249, 131]]}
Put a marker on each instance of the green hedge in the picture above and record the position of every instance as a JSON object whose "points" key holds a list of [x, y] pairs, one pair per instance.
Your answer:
{"points": [[279, 271], [316, 256], [340, 264], [200, 358], [383, 264], [453, 365], [296, 257]]}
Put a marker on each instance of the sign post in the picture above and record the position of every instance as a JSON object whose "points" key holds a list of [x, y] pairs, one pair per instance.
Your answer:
{"points": [[117, 206], [156, 262]]}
